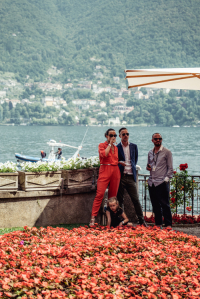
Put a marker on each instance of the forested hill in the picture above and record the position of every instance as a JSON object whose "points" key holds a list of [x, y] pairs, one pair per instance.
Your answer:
{"points": [[122, 33]]}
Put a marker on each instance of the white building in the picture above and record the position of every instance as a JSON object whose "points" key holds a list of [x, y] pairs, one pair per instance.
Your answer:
{"points": [[2, 93], [48, 101], [68, 85], [166, 90], [102, 104], [26, 101], [107, 89], [114, 121], [63, 112], [93, 120], [125, 91], [117, 101], [92, 102], [116, 79], [116, 92], [102, 113], [122, 109], [138, 95], [15, 102]]}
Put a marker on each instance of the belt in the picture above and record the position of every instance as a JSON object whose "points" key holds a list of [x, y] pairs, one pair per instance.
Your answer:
{"points": [[109, 164], [127, 174]]}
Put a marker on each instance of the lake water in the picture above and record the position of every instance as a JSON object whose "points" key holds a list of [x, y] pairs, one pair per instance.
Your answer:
{"points": [[30, 140]]}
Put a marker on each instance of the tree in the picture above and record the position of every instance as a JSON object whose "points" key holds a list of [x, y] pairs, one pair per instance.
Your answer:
{"points": [[143, 90], [10, 105], [85, 121], [1, 113], [101, 118], [70, 120], [6, 112]]}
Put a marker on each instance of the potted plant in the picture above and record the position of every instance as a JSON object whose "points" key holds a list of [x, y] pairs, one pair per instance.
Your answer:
{"points": [[39, 176], [181, 188], [8, 176], [79, 172]]}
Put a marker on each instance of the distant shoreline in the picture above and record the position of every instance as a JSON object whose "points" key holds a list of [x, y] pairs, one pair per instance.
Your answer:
{"points": [[122, 125]]}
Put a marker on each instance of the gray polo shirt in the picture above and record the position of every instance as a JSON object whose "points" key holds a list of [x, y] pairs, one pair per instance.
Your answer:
{"points": [[162, 162]]}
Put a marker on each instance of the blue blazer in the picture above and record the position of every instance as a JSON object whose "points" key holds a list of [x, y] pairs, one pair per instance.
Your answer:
{"points": [[133, 156]]}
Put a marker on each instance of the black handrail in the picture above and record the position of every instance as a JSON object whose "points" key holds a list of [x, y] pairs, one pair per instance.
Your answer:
{"points": [[193, 199]]}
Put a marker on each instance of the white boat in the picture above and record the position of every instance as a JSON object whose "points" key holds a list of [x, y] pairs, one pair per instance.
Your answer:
{"points": [[52, 153]]}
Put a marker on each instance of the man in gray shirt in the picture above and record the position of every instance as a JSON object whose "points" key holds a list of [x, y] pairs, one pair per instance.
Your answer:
{"points": [[160, 165]]}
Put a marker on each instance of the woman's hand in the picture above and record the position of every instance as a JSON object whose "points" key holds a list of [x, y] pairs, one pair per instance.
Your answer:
{"points": [[123, 163], [112, 140]]}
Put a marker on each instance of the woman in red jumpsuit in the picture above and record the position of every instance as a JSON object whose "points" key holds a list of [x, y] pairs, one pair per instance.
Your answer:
{"points": [[108, 173]]}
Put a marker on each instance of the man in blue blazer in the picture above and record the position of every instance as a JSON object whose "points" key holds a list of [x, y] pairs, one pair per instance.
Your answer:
{"points": [[128, 157]]}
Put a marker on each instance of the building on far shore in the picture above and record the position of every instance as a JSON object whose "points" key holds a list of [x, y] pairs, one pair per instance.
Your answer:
{"points": [[122, 109], [114, 121]]}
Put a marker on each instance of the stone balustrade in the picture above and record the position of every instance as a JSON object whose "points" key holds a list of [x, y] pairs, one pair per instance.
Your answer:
{"points": [[67, 204]]}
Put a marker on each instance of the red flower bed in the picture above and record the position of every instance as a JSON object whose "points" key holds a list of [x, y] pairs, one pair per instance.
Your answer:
{"points": [[178, 219], [99, 263]]}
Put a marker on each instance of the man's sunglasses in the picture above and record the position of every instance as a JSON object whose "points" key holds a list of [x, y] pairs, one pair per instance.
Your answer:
{"points": [[123, 134], [157, 139], [113, 135]]}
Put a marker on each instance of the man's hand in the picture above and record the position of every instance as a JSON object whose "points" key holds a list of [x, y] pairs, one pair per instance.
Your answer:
{"points": [[148, 167]]}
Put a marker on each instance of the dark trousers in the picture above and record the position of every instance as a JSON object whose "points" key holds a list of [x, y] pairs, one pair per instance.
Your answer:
{"points": [[127, 182], [160, 201]]}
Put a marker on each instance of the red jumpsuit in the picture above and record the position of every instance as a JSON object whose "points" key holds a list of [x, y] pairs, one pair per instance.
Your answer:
{"points": [[107, 174]]}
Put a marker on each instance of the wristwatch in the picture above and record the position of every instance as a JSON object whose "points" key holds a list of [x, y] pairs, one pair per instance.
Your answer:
{"points": [[122, 222], [109, 144]]}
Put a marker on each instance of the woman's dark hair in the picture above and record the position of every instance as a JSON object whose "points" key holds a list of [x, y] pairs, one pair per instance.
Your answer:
{"points": [[108, 131]]}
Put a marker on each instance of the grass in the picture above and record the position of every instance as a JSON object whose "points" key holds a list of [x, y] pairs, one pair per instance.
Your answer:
{"points": [[68, 226]]}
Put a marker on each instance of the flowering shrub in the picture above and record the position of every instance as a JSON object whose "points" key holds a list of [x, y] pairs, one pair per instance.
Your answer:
{"points": [[8, 167], [99, 263], [183, 166], [40, 166], [80, 163], [177, 219], [181, 187]]}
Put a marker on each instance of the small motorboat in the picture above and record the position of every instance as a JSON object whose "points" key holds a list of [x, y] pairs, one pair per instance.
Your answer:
{"points": [[53, 156], [25, 158]]}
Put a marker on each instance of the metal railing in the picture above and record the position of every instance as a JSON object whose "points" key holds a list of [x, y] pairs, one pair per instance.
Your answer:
{"points": [[193, 200]]}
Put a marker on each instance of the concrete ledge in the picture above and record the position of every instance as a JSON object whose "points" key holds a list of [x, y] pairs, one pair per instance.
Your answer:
{"points": [[30, 194], [43, 208]]}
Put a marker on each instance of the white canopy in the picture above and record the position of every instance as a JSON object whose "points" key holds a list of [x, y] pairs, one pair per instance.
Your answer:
{"points": [[175, 78]]}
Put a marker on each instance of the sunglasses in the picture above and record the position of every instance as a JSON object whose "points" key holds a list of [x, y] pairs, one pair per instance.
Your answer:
{"points": [[127, 134], [113, 135], [157, 139]]}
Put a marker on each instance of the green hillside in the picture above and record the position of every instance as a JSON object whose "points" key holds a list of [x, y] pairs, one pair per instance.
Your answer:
{"points": [[122, 33]]}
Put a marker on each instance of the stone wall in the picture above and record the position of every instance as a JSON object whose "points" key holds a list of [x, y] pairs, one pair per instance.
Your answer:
{"points": [[43, 208]]}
